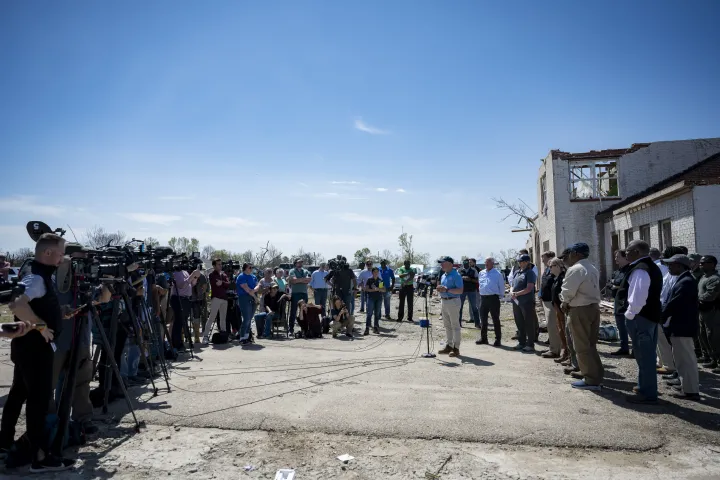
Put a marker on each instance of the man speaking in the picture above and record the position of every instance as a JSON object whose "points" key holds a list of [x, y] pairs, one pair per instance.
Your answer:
{"points": [[450, 290]]}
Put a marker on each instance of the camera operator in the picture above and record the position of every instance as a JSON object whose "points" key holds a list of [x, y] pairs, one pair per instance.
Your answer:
{"points": [[82, 408], [344, 284], [219, 283], [299, 279], [199, 300], [341, 318], [180, 302], [32, 355]]}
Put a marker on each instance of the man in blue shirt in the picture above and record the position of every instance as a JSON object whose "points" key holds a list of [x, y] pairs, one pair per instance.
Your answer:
{"points": [[450, 290], [388, 278], [523, 297], [492, 290], [319, 286], [247, 287]]}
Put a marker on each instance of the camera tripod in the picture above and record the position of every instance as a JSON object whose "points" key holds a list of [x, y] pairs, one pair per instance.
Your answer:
{"points": [[68, 387], [427, 325]]}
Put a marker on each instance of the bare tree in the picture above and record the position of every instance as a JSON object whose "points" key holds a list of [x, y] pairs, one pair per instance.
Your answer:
{"points": [[505, 258], [391, 257], [408, 251], [17, 257], [152, 242], [207, 251], [97, 237], [519, 210]]}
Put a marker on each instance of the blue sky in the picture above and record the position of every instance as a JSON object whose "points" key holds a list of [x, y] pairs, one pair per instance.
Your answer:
{"points": [[330, 125]]}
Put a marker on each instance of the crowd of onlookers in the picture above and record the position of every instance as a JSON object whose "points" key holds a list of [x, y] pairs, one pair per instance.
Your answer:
{"points": [[666, 307]]}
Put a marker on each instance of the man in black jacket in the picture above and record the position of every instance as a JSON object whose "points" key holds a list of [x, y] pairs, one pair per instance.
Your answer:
{"points": [[680, 321]]}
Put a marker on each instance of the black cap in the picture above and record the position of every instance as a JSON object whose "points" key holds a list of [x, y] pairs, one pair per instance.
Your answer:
{"points": [[581, 248], [446, 259]]}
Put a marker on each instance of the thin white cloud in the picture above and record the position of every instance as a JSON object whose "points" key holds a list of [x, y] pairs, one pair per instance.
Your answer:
{"points": [[342, 182], [364, 127], [401, 190], [177, 197], [381, 189], [27, 204], [304, 185], [229, 222], [326, 194], [156, 218]]}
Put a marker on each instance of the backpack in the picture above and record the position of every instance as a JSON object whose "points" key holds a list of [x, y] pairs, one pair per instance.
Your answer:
{"points": [[219, 338]]}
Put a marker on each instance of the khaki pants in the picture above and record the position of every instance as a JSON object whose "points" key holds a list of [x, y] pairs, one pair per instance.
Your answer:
{"points": [[451, 319], [664, 350], [584, 324], [347, 323], [552, 328], [216, 305], [683, 350], [82, 409]]}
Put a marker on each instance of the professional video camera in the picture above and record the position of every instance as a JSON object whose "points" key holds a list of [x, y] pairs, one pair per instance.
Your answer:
{"points": [[230, 267], [338, 263]]}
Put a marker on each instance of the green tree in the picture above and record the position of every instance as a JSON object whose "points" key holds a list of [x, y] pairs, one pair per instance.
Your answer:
{"points": [[405, 241], [362, 255]]}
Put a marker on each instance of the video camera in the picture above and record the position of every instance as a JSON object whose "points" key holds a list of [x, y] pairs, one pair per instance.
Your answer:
{"points": [[338, 263], [230, 267]]}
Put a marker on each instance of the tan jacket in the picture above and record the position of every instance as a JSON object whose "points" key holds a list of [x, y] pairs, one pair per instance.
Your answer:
{"points": [[581, 285]]}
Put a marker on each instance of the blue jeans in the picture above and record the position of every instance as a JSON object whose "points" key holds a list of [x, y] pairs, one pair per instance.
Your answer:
{"points": [[321, 295], [246, 307], [130, 359], [386, 297], [643, 334], [374, 305], [622, 331], [294, 299], [472, 298], [268, 318]]}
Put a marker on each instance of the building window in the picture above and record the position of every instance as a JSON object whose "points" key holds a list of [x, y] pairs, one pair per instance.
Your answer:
{"points": [[546, 245], [614, 243], [665, 234], [645, 233], [628, 237], [590, 180], [543, 195]]}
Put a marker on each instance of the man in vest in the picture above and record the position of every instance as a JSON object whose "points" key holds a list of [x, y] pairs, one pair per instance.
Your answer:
{"points": [[638, 298], [38, 307]]}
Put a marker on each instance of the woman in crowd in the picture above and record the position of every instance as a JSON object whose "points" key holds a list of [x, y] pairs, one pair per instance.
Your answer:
{"points": [[375, 289], [279, 278], [557, 268], [617, 279], [341, 318]]}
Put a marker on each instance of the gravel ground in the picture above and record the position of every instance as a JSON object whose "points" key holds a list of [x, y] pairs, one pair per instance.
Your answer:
{"points": [[493, 414]]}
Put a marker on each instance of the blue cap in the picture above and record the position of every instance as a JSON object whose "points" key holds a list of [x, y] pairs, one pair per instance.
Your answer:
{"points": [[581, 248], [524, 258]]}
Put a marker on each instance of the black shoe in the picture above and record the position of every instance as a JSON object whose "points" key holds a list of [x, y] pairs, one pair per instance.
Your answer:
{"points": [[90, 429], [349, 335], [411, 320], [52, 464], [686, 396], [620, 353], [399, 320], [482, 341], [670, 376], [497, 343], [376, 331], [367, 332], [361, 311]]}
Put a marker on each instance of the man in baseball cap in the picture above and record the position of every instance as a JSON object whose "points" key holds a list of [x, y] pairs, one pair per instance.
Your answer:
{"points": [[680, 321], [450, 290]]}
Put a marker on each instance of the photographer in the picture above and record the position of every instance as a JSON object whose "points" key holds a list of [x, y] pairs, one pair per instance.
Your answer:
{"points": [[199, 300], [219, 283], [341, 318], [180, 296], [32, 355], [344, 283], [299, 279]]}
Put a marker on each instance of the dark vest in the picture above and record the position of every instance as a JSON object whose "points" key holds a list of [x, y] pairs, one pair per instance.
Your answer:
{"points": [[617, 280], [47, 307], [546, 284], [652, 309]]}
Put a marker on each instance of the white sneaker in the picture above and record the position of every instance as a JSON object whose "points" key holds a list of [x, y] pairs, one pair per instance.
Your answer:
{"points": [[205, 341]]}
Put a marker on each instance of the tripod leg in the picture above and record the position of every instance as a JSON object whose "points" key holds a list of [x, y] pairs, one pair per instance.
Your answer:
{"points": [[111, 356], [156, 342], [110, 352], [138, 338], [95, 360]]}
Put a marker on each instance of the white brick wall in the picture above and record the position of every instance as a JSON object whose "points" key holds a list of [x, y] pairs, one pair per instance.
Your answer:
{"points": [[545, 223], [707, 228], [679, 210]]}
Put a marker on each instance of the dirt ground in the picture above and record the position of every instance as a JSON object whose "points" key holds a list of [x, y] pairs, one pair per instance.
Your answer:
{"points": [[491, 414]]}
